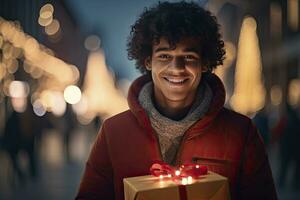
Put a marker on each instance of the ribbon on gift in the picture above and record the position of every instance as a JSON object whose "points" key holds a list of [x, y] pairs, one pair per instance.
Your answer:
{"points": [[182, 175]]}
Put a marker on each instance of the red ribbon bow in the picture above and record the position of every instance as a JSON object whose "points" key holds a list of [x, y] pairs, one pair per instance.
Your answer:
{"points": [[185, 171], [164, 170]]}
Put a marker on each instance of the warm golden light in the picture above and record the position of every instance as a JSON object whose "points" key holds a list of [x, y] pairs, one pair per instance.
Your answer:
{"points": [[87, 118], [99, 88], [276, 95], [6, 83], [46, 11], [37, 56], [275, 20], [19, 104], [184, 181], [18, 89], [17, 53], [2, 71], [72, 94], [52, 28], [1, 41], [293, 14], [12, 65], [45, 21], [249, 92], [81, 107], [294, 92], [58, 104], [36, 73], [7, 50]]}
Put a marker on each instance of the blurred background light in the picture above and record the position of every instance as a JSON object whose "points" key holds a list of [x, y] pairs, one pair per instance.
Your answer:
{"points": [[276, 95], [100, 89], [81, 107], [275, 20], [46, 11], [72, 94], [38, 108], [19, 104], [45, 21], [18, 89], [293, 14], [294, 92], [249, 92], [92, 43], [53, 27]]}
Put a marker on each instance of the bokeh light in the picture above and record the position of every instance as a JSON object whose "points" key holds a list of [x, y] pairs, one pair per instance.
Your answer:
{"points": [[38, 108], [276, 95], [18, 89], [249, 91], [294, 92], [46, 11], [72, 94], [92, 43], [52, 28], [19, 104]]}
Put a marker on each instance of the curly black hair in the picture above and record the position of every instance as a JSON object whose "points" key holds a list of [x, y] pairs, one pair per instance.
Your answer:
{"points": [[175, 21]]}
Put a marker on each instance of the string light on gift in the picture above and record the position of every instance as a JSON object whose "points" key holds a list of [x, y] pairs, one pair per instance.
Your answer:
{"points": [[184, 175]]}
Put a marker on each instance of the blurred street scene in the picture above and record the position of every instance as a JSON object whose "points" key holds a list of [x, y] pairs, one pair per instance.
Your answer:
{"points": [[64, 69]]}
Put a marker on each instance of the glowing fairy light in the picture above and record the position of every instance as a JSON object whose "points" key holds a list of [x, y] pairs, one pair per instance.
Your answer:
{"points": [[184, 181]]}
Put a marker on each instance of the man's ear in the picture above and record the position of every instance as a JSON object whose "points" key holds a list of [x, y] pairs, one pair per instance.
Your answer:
{"points": [[148, 63]]}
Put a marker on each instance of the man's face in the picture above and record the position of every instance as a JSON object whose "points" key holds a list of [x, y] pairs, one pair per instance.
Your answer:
{"points": [[176, 73]]}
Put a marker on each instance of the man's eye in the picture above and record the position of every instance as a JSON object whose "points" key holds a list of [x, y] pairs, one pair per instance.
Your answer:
{"points": [[164, 56], [190, 57]]}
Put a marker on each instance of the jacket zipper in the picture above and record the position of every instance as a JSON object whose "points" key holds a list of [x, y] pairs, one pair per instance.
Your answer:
{"points": [[209, 161]]}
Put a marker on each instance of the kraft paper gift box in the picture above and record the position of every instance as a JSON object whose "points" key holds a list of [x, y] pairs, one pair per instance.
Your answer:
{"points": [[209, 187]]}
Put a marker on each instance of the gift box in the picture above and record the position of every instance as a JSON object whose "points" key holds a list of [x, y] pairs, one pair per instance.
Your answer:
{"points": [[211, 186]]}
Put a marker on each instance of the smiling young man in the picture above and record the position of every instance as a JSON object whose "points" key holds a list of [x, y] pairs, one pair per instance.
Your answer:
{"points": [[176, 111]]}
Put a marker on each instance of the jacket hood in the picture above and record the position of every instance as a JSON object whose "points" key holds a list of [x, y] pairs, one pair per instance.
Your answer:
{"points": [[217, 102]]}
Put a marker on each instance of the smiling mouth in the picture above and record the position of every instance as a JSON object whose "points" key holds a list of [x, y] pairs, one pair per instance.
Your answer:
{"points": [[176, 81]]}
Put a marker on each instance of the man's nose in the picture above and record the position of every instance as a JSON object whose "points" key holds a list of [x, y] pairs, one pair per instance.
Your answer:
{"points": [[178, 63]]}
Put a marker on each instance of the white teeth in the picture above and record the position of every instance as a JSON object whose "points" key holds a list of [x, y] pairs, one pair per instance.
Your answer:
{"points": [[175, 80]]}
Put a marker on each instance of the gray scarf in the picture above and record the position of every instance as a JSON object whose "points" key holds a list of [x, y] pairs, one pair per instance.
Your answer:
{"points": [[169, 131]]}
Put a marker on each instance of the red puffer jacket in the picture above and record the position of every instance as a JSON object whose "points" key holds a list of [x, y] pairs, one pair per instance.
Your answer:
{"points": [[225, 141]]}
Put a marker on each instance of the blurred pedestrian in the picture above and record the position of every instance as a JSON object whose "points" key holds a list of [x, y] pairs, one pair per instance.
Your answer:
{"points": [[287, 132]]}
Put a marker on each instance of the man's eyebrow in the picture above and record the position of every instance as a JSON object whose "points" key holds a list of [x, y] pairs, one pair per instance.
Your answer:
{"points": [[193, 49], [162, 49]]}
